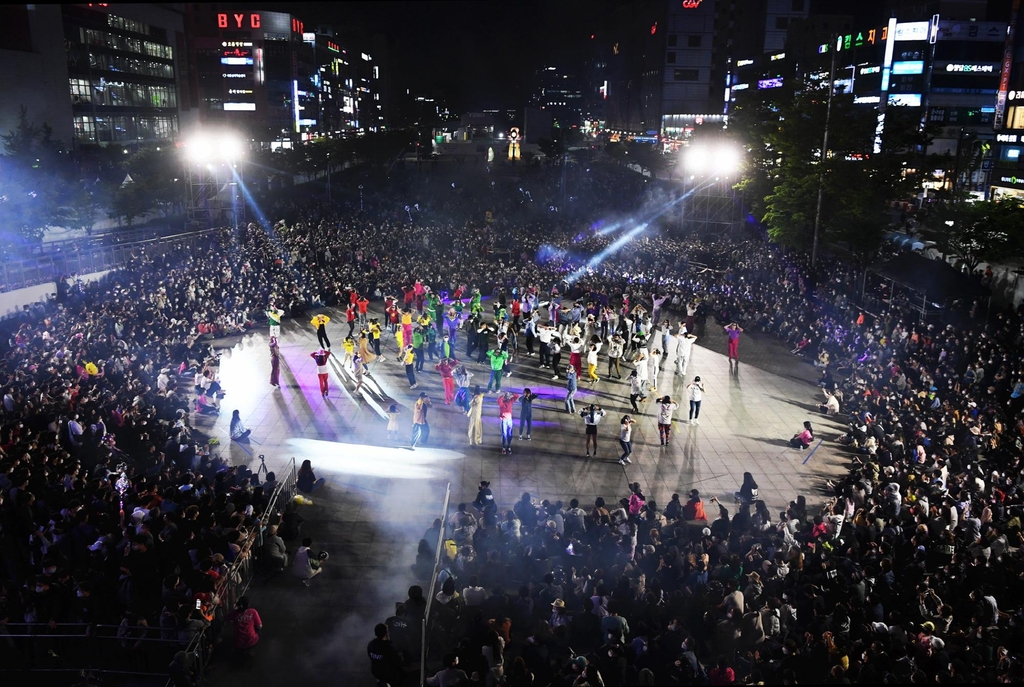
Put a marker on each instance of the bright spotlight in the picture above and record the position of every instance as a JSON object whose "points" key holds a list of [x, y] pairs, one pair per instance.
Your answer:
{"points": [[724, 158], [206, 148], [728, 158], [696, 159], [198, 149], [229, 147]]}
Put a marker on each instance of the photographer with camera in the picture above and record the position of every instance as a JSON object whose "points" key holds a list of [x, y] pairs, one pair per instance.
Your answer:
{"points": [[308, 564]]}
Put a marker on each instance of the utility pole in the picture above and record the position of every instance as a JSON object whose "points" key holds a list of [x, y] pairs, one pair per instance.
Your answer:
{"points": [[824, 153]]}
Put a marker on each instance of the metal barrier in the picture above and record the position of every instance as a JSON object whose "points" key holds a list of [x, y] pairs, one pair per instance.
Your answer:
{"points": [[433, 583], [137, 651], [238, 578], [18, 274], [142, 652]]}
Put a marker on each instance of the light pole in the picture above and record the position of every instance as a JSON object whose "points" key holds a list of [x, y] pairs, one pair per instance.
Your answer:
{"points": [[360, 197], [824, 153], [328, 178]]}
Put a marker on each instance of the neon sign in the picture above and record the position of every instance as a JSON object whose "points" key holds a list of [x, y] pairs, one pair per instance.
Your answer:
{"points": [[239, 20], [971, 68], [654, 28], [297, 26], [691, 4]]}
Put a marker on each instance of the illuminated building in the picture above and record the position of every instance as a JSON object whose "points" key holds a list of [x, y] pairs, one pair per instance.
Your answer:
{"points": [[96, 73], [948, 70], [266, 73]]}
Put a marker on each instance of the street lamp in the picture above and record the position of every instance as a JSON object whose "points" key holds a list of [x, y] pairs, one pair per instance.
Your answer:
{"points": [[360, 197]]}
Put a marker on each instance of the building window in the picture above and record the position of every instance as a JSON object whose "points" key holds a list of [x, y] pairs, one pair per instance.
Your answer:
{"points": [[798, 5], [693, 41], [672, 40], [80, 91], [781, 23], [938, 114], [123, 24], [1015, 117], [686, 75], [670, 58]]}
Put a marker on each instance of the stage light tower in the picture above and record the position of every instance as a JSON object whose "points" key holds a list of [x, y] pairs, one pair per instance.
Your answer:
{"points": [[214, 174]]}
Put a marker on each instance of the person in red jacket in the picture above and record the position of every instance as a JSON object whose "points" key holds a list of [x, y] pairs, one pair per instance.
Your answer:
{"points": [[350, 317], [505, 403], [517, 311], [446, 367], [320, 357], [362, 304]]}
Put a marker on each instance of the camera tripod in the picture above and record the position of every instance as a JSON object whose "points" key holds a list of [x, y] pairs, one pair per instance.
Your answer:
{"points": [[262, 469]]}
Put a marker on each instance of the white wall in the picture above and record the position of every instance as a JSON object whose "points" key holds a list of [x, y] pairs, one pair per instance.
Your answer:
{"points": [[12, 302]]}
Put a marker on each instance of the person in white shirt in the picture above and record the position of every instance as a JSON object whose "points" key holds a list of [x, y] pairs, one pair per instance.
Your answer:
{"points": [[695, 393], [665, 410], [306, 565], [626, 438], [642, 372], [591, 416], [615, 345], [684, 345], [592, 364], [474, 594], [655, 358], [544, 333]]}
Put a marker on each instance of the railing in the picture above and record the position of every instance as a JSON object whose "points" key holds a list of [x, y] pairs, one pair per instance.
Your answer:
{"points": [[17, 274], [433, 583], [138, 654], [236, 582]]}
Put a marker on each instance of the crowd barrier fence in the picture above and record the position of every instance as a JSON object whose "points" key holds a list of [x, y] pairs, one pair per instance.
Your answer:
{"points": [[139, 655], [427, 619]]}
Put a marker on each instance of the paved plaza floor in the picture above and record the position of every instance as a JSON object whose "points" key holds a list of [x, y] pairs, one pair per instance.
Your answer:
{"points": [[381, 496]]}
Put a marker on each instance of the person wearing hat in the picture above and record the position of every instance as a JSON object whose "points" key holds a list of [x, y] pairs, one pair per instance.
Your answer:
{"points": [[559, 617]]}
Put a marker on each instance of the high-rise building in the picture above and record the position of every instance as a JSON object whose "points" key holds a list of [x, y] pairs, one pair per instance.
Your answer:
{"points": [[264, 73], [1008, 173], [560, 93], [96, 74], [668, 61]]}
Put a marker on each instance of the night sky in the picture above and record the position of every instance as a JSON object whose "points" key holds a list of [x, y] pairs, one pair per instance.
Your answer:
{"points": [[478, 54], [483, 54]]}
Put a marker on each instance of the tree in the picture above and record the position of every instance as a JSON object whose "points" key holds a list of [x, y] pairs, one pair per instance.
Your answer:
{"points": [[553, 149], [83, 205], [786, 166], [32, 182], [980, 231], [128, 202]]}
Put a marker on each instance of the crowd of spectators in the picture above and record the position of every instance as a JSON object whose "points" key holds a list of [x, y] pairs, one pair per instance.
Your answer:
{"points": [[906, 574]]}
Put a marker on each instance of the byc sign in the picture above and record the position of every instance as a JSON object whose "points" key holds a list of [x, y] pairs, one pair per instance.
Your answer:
{"points": [[238, 20]]}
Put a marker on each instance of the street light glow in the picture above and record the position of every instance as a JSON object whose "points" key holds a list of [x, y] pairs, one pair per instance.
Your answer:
{"points": [[718, 158], [205, 148]]}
